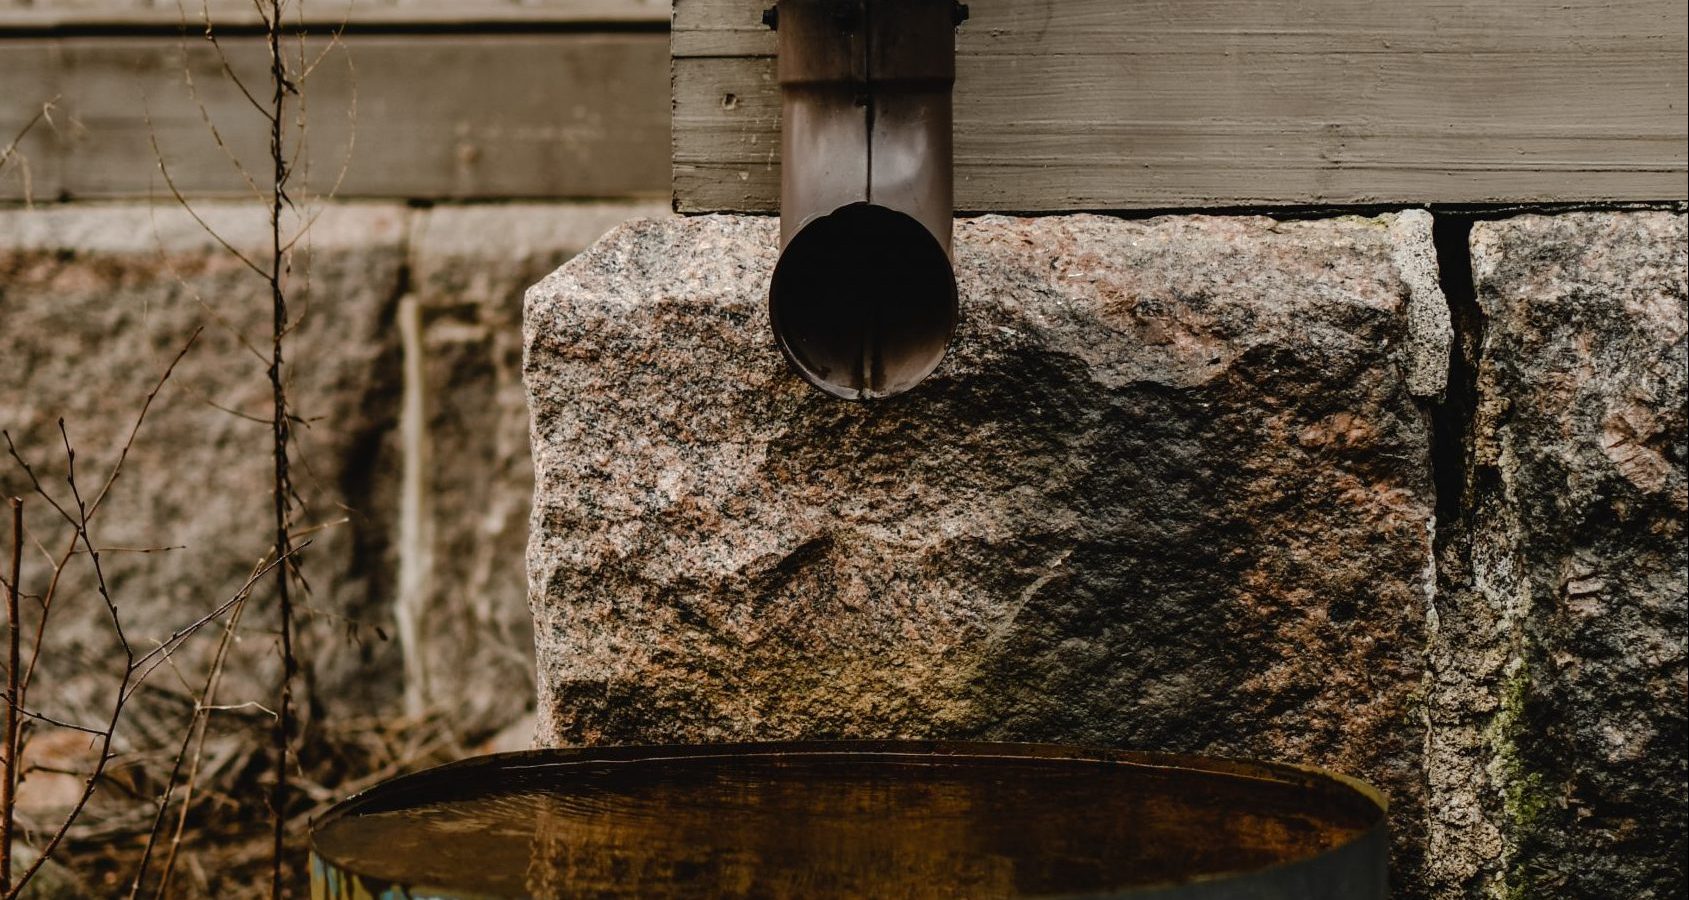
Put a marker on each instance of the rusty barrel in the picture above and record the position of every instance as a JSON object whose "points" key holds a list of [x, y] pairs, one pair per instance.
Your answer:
{"points": [[856, 819]]}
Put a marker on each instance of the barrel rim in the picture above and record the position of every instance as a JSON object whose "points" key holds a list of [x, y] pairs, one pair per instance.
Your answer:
{"points": [[1303, 776]]}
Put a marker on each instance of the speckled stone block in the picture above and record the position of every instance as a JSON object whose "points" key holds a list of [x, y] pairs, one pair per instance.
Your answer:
{"points": [[1556, 751], [461, 521], [1170, 490]]}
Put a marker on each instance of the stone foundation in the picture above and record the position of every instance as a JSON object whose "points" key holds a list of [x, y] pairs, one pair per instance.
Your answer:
{"points": [[1195, 483], [1555, 752], [1175, 488], [411, 460]]}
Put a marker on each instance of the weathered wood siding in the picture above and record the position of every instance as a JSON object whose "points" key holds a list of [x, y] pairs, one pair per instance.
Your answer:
{"points": [[469, 101], [1105, 104]]}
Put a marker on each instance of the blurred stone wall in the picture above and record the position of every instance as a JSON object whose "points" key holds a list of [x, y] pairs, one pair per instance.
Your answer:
{"points": [[411, 460]]}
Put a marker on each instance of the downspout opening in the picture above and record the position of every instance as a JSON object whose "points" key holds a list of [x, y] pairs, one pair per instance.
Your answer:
{"points": [[863, 302]]}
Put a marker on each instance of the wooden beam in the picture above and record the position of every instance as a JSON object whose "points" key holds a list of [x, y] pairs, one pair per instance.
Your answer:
{"points": [[352, 15], [29, 113], [1100, 104], [449, 116]]}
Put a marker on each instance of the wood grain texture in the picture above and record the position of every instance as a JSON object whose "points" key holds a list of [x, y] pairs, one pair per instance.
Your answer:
{"points": [[448, 116], [227, 12], [20, 17], [26, 88], [1100, 104]]}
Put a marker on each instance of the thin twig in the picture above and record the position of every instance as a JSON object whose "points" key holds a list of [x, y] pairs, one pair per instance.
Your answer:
{"points": [[9, 777], [11, 148], [164, 169], [57, 723], [86, 508], [82, 523], [195, 734], [282, 488], [142, 550], [46, 610], [10, 151], [223, 59], [351, 131], [156, 656], [199, 299], [131, 677], [247, 417], [193, 92]]}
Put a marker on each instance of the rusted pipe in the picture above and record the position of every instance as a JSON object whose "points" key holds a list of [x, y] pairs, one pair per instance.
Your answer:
{"points": [[863, 299]]}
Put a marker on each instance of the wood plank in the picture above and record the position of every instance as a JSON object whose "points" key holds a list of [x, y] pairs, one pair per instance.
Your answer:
{"points": [[1097, 104], [1043, 27], [33, 171], [422, 116], [354, 15]]}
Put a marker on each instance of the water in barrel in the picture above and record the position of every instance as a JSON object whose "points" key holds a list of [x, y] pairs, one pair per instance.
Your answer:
{"points": [[820, 824]]}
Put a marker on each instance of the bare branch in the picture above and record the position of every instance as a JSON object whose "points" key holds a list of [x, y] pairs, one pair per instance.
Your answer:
{"points": [[46, 611], [133, 674], [197, 729], [14, 700], [44, 114], [259, 420], [282, 489], [34, 481], [58, 723], [85, 511], [9, 153], [208, 309], [164, 169], [141, 417], [204, 112], [223, 59], [145, 664], [81, 523], [140, 549], [351, 131]]}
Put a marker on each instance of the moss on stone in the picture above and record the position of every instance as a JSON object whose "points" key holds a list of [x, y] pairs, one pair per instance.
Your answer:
{"points": [[1526, 795]]}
